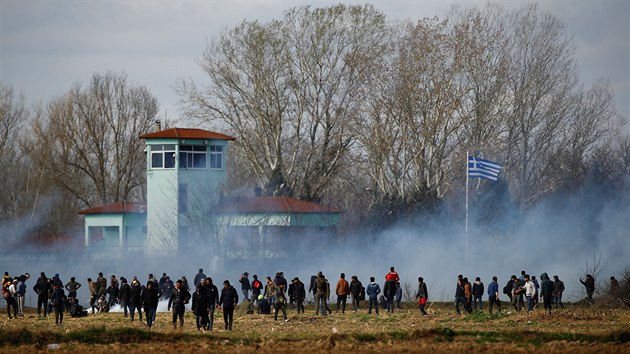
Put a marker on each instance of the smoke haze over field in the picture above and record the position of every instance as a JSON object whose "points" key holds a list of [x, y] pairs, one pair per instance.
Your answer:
{"points": [[558, 237]]}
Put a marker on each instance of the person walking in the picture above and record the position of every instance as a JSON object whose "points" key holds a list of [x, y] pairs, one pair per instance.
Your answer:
{"points": [[342, 289], [546, 291], [201, 307], [589, 284], [57, 299], [20, 294], [422, 296], [493, 295], [281, 303], [245, 285], [178, 300], [7, 293], [229, 299], [124, 295], [477, 293], [468, 294], [213, 300], [150, 298], [298, 294], [558, 289], [135, 299], [372, 291]]}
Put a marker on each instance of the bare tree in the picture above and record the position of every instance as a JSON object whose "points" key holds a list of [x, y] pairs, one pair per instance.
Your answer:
{"points": [[290, 91], [88, 142], [542, 82], [13, 114]]}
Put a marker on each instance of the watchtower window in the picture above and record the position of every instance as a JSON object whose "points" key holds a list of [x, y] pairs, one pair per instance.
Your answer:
{"points": [[192, 156], [163, 156], [216, 156]]}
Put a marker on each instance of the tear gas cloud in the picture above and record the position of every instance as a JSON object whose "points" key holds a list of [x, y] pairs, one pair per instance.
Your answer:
{"points": [[558, 236]]}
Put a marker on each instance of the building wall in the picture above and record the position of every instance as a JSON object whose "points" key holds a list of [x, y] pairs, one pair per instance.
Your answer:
{"points": [[179, 200], [161, 205]]}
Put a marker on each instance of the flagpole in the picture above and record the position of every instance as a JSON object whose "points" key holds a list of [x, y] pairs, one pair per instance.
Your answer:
{"points": [[466, 223]]}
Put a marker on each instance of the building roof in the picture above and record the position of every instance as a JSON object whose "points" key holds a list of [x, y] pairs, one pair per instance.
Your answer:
{"points": [[272, 205], [118, 208], [186, 133]]}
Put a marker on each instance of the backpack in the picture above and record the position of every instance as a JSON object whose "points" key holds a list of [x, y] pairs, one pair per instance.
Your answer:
{"points": [[362, 293], [6, 293], [506, 291]]}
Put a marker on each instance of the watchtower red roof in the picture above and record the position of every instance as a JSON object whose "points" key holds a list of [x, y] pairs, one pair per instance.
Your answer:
{"points": [[118, 208], [186, 133]]}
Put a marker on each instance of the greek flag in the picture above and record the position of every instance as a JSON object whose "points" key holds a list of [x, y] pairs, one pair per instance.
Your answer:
{"points": [[483, 168]]}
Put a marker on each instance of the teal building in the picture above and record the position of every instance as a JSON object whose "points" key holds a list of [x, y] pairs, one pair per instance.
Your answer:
{"points": [[184, 210]]}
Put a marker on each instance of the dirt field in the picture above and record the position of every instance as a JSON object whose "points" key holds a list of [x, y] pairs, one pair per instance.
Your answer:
{"points": [[575, 329]]}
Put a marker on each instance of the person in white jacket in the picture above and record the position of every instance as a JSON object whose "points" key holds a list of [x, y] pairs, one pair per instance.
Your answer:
{"points": [[530, 291]]}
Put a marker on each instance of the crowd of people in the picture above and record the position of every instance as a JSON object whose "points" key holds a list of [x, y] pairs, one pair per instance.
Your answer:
{"points": [[277, 294]]}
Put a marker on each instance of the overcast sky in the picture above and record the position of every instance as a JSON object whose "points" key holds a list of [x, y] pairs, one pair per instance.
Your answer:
{"points": [[46, 46]]}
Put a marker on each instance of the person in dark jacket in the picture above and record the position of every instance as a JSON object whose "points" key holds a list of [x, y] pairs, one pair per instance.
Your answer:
{"points": [[279, 279], [320, 295], [43, 290], [422, 296], [477, 293], [200, 277], [150, 299], [135, 299], [245, 285], [281, 303], [201, 307], [589, 284], [389, 290], [228, 299], [257, 287], [546, 291], [355, 292], [460, 296], [558, 289], [113, 292], [124, 294], [493, 294], [298, 294], [178, 300], [213, 300], [57, 299]]}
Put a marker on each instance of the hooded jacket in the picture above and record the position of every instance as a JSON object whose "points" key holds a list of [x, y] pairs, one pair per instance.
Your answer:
{"points": [[546, 286]]}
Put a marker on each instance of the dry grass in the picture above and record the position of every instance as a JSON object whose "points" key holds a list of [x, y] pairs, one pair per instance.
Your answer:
{"points": [[574, 329]]}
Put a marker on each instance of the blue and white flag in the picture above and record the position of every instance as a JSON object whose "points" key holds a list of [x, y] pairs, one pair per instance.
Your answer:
{"points": [[483, 168]]}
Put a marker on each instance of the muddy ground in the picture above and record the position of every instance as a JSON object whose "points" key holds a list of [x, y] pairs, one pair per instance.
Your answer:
{"points": [[574, 329]]}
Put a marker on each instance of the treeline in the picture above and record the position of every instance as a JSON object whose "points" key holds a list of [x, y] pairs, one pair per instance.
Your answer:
{"points": [[344, 106]]}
